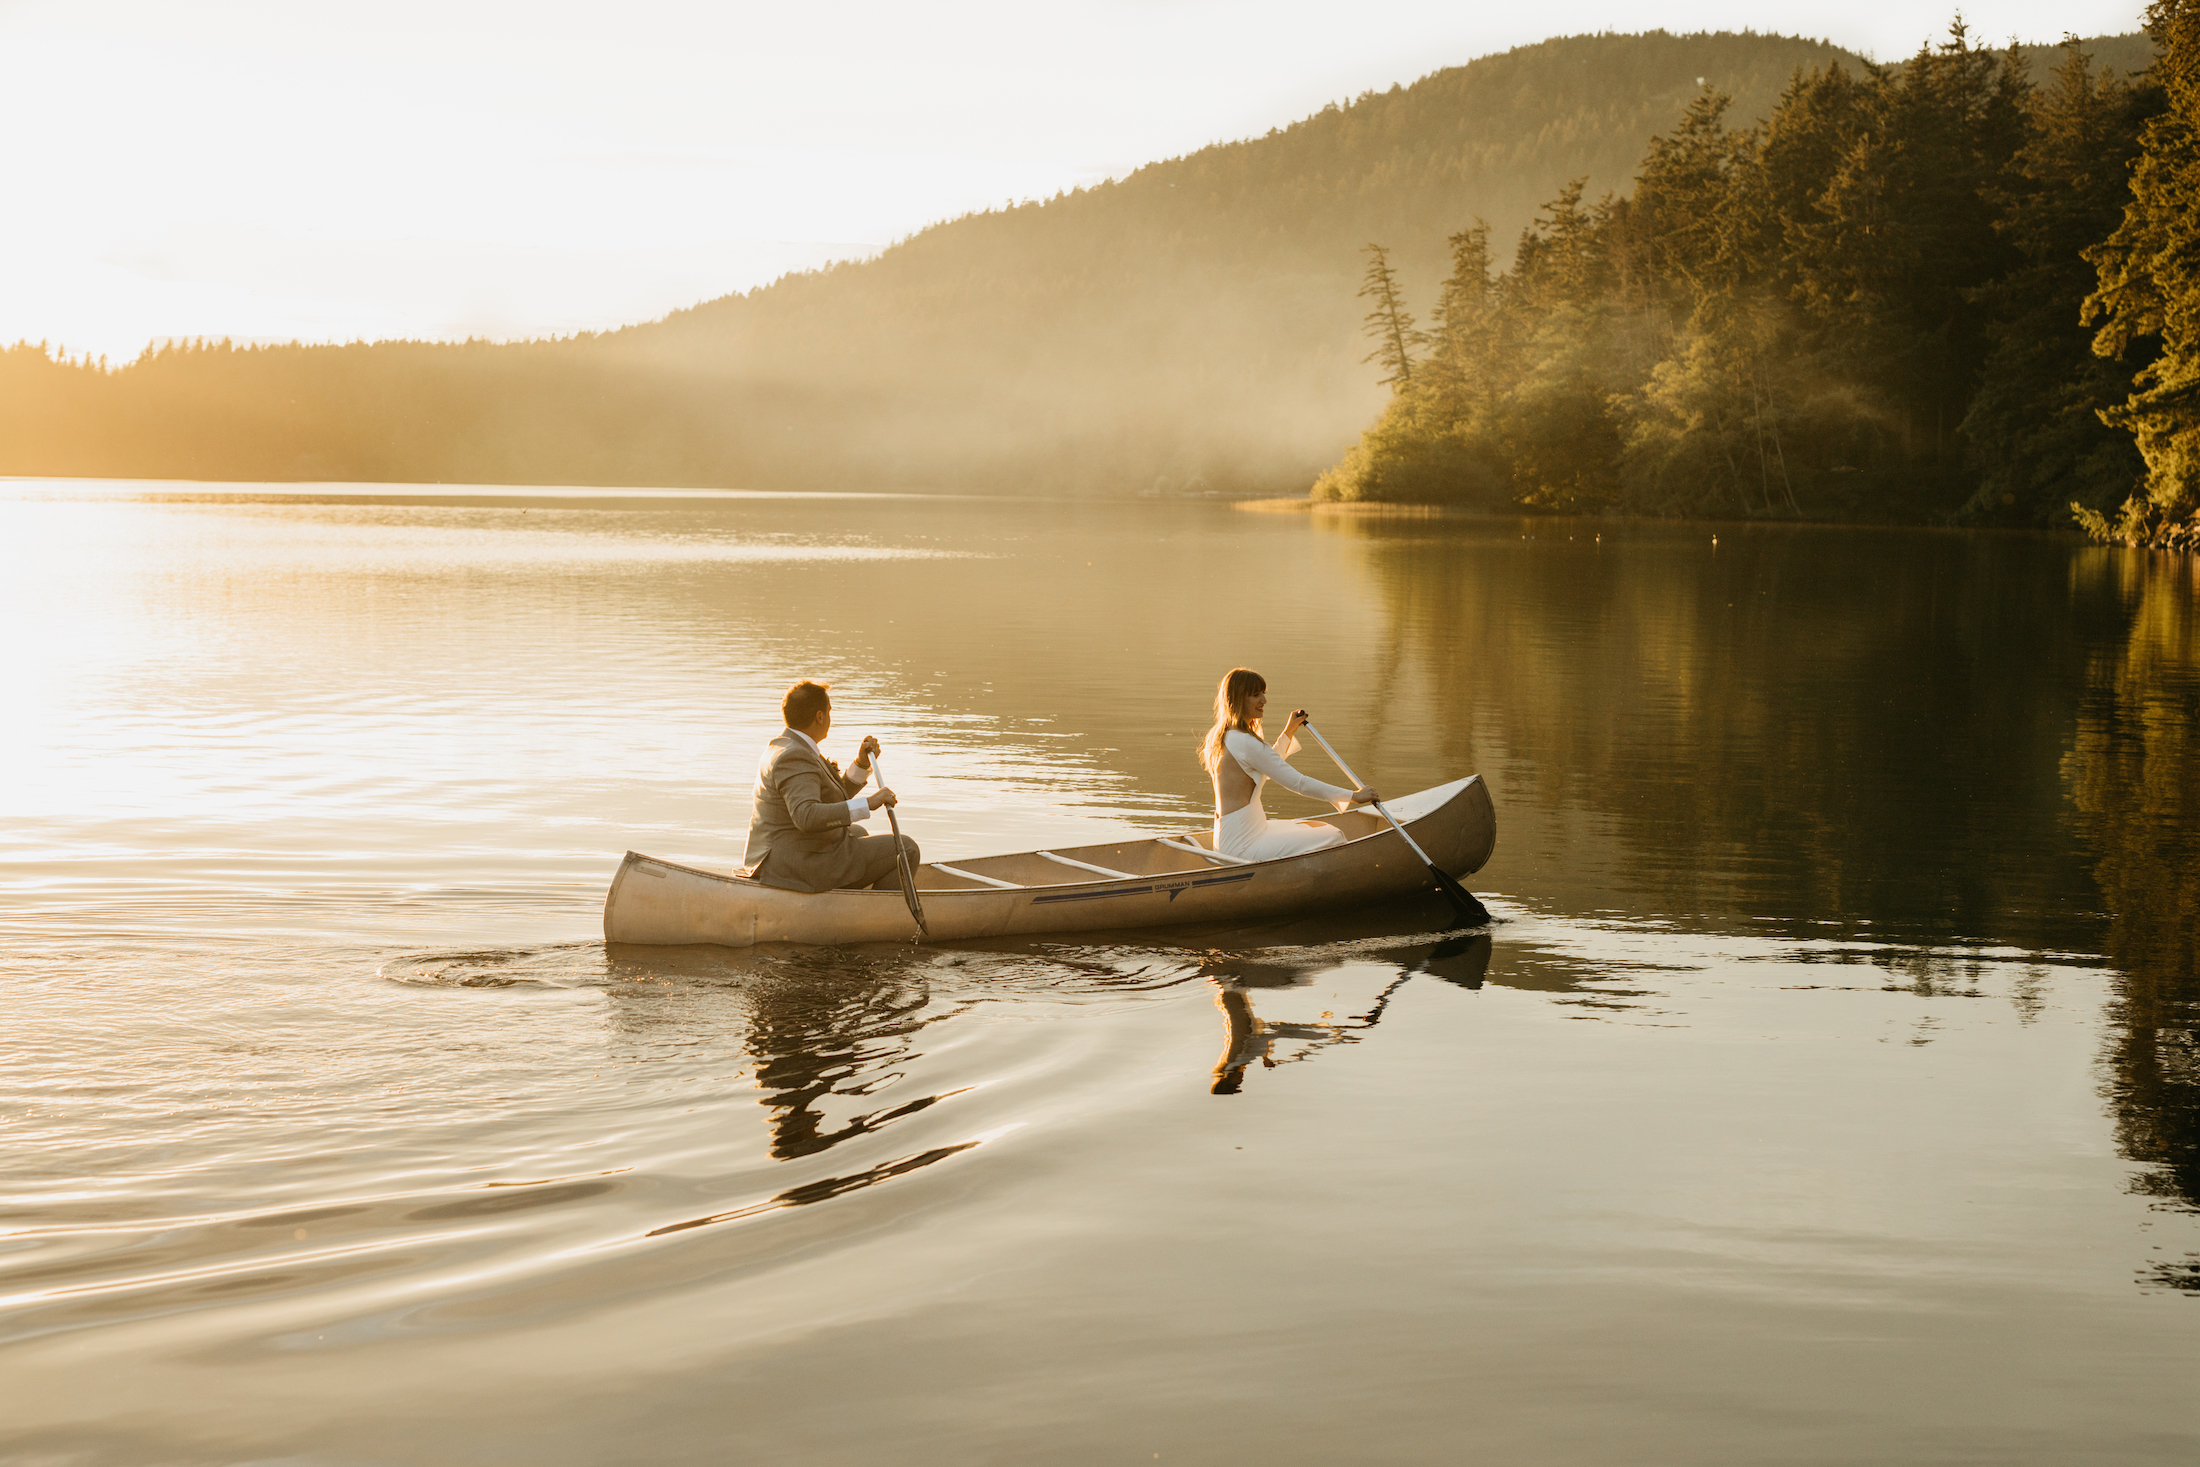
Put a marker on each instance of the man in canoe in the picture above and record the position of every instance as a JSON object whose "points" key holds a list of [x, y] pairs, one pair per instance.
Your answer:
{"points": [[803, 836]]}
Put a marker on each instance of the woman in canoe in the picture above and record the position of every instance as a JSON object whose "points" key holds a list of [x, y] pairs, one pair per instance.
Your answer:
{"points": [[1239, 762]]}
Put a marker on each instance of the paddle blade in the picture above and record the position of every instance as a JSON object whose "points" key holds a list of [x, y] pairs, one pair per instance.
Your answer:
{"points": [[908, 878], [1471, 912], [909, 895]]}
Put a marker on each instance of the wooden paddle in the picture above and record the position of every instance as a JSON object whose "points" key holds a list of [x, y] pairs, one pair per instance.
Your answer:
{"points": [[901, 858], [1471, 912]]}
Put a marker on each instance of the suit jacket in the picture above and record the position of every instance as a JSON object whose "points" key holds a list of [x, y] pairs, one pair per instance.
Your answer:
{"points": [[801, 828]]}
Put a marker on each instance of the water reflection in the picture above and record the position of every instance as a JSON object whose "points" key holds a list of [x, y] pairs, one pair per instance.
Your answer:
{"points": [[821, 1028], [816, 1027], [824, 1029], [1862, 736], [1857, 729], [1248, 1038], [1292, 954], [2134, 774]]}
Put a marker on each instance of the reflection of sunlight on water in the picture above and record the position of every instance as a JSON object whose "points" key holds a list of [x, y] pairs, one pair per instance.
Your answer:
{"points": [[317, 691], [77, 542]]}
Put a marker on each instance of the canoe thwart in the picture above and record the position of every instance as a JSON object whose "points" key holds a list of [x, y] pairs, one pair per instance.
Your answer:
{"points": [[974, 876], [1185, 845], [1111, 875]]}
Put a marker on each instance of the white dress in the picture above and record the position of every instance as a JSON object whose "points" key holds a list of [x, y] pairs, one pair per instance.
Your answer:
{"points": [[1248, 832]]}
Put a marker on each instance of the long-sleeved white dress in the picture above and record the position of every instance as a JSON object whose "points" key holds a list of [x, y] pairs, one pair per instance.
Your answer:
{"points": [[1248, 832]]}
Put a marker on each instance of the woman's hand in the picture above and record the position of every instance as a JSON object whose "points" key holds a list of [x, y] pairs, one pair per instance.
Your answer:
{"points": [[1365, 797], [1295, 722]]}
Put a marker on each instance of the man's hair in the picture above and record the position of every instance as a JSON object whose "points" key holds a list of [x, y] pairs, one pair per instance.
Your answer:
{"points": [[804, 701]]}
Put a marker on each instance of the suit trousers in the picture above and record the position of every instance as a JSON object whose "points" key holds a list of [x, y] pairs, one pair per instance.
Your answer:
{"points": [[861, 860], [880, 869]]}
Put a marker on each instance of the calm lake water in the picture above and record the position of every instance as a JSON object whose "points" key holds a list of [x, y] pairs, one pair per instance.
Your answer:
{"points": [[1826, 1092]]}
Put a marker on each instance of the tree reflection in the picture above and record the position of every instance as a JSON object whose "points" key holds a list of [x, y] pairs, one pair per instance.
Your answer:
{"points": [[1852, 728], [2134, 774], [1876, 735]]}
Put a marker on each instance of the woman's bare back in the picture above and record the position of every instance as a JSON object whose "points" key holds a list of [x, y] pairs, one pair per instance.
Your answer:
{"points": [[1234, 788]]}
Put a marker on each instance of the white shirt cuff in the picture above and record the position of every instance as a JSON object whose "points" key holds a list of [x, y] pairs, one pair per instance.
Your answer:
{"points": [[859, 810]]}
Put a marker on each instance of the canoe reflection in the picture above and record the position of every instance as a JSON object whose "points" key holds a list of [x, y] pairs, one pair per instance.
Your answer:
{"points": [[1248, 1038], [824, 1027]]}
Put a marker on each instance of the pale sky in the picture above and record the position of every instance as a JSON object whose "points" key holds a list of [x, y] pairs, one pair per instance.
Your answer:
{"points": [[279, 169]]}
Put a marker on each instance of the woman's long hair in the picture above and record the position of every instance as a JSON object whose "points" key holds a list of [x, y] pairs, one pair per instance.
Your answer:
{"points": [[1239, 687]]}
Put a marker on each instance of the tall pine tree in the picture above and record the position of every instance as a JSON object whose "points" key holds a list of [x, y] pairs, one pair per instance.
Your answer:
{"points": [[2149, 273], [2034, 430]]}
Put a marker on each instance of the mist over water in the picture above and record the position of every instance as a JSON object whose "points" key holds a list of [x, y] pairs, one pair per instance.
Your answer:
{"points": [[1825, 1093]]}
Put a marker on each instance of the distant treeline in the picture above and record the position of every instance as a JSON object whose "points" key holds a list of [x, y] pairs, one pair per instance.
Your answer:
{"points": [[1190, 327], [1928, 292]]}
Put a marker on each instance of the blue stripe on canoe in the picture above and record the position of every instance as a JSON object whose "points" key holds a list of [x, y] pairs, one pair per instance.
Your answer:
{"points": [[1124, 891]]}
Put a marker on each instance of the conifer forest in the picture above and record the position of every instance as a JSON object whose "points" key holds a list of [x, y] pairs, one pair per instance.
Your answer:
{"points": [[1937, 292]]}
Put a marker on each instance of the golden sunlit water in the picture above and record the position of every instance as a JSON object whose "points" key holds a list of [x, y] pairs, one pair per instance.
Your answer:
{"points": [[1826, 1091]]}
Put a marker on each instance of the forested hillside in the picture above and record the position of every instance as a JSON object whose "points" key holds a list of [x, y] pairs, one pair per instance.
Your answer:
{"points": [[1192, 325], [1872, 305]]}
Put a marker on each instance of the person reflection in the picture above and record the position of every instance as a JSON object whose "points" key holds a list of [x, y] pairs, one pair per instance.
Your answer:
{"points": [[1247, 1037], [830, 1031], [1242, 1042]]}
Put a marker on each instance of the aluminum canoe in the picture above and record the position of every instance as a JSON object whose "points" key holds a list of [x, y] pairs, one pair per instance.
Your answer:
{"points": [[1152, 881]]}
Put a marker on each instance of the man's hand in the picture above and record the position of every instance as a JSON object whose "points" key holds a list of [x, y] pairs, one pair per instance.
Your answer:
{"points": [[882, 799], [870, 747]]}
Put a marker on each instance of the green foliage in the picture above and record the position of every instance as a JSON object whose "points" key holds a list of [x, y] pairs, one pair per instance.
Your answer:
{"points": [[1868, 306], [2036, 437], [2149, 287]]}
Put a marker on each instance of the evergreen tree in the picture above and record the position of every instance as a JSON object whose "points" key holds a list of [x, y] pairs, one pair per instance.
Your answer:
{"points": [[1389, 324], [1559, 421], [1685, 203], [1464, 365], [2034, 431], [1904, 233], [2149, 286]]}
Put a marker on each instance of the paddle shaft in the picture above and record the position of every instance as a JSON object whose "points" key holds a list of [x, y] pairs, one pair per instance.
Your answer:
{"points": [[1469, 907], [1348, 774], [901, 857]]}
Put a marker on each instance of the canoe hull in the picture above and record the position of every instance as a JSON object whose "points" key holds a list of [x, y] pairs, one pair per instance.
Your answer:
{"points": [[661, 903]]}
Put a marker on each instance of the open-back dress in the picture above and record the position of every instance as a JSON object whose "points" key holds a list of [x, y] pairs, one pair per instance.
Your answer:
{"points": [[1247, 832]]}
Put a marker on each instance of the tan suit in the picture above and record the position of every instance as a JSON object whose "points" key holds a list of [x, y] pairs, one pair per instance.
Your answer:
{"points": [[802, 837]]}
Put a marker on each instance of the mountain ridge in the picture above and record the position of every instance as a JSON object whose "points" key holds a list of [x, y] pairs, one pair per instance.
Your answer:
{"points": [[1192, 324]]}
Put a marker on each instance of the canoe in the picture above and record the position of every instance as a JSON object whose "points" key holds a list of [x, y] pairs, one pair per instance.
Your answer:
{"points": [[1148, 882]]}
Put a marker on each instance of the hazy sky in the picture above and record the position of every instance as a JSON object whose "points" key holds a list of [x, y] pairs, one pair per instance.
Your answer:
{"points": [[256, 169]]}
